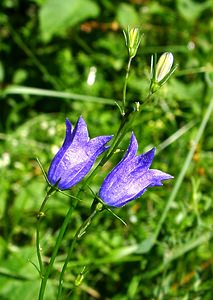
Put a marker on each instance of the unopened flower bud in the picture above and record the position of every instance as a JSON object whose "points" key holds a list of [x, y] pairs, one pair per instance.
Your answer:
{"points": [[164, 65], [133, 38], [80, 277], [161, 70]]}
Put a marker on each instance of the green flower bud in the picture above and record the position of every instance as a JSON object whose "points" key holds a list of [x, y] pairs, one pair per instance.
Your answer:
{"points": [[132, 38], [80, 277]]}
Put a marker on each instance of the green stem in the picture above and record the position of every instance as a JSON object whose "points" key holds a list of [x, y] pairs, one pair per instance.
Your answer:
{"points": [[50, 192], [38, 248], [40, 214], [147, 100], [125, 83], [118, 138], [55, 250], [80, 232]]}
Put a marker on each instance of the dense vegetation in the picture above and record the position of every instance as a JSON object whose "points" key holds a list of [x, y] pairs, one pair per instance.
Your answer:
{"points": [[68, 58]]}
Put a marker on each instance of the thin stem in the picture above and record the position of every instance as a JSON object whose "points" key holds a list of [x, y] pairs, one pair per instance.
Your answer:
{"points": [[50, 192], [147, 100], [125, 83], [55, 250], [38, 248], [119, 136], [80, 232], [40, 214], [123, 132]]}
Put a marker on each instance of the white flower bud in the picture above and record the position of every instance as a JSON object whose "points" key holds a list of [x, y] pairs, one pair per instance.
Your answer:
{"points": [[164, 65], [161, 71]]}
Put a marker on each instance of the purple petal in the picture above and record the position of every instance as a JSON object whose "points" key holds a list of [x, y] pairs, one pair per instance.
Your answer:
{"points": [[139, 164], [132, 149], [145, 160], [119, 173], [97, 144], [80, 133], [157, 176], [123, 166], [69, 136], [67, 141]]}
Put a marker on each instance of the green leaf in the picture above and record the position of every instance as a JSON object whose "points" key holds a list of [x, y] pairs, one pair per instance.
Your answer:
{"points": [[57, 15]]}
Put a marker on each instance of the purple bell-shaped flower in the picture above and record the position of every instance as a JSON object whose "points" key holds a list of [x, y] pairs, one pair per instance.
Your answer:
{"points": [[131, 177], [76, 156]]}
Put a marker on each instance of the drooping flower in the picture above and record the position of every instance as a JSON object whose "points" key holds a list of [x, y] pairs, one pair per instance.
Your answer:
{"points": [[76, 156], [131, 177]]}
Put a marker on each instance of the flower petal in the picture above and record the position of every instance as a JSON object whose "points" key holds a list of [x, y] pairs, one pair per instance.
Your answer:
{"points": [[80, 133], [69, 135], [97, 144], [157, 176], [132, 149], [145, 160], [62, 150]]}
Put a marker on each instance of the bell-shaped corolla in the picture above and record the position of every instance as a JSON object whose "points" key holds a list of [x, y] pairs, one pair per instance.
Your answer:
{"points": [[131, 177], [76, 156]]}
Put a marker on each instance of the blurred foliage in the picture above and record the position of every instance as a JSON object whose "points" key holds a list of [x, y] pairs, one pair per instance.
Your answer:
{"points": [[77, 47]]}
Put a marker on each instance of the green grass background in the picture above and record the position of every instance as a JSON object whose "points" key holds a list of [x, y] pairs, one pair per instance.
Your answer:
{"points": [[47, 50]]}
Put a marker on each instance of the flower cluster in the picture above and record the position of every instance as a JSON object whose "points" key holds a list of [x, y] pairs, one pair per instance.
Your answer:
{"points": [[127, 181]]}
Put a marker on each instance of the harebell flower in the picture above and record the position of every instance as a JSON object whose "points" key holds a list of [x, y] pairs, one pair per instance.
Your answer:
{"points": [[131, 177], [76, 156]]}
